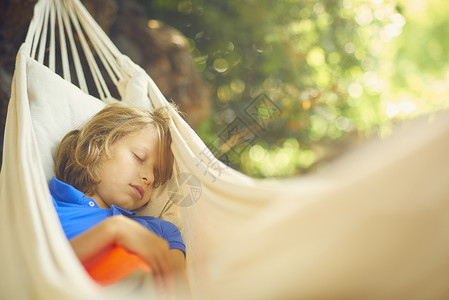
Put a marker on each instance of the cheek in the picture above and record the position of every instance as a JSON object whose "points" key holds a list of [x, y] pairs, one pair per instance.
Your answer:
{"points": [[122, 167], [122, 163], [148, 195]]}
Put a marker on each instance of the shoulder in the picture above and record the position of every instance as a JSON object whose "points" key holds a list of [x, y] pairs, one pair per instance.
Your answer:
{"points": [[167, 226], [164, 227], [64, 194], [172, 234]]}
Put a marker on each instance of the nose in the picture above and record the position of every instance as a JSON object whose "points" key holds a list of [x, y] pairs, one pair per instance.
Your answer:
{"points": [[147, 176]]}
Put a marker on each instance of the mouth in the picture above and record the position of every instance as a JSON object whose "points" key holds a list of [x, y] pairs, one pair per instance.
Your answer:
{"points": [[138, 190]]}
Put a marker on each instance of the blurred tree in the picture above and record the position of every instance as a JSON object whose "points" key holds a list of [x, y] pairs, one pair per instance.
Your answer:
{"points": [[418, 61], [292, 80]]}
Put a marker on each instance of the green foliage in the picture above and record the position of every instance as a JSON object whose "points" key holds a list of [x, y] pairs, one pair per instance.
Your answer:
{"points": [[293, 80]]}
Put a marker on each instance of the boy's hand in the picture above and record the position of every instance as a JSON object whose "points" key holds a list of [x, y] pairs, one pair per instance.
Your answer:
{"points": [[154, 249], [122, 231]]}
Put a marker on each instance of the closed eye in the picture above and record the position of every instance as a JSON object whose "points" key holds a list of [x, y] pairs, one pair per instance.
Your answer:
{"points": [[138, 157]]}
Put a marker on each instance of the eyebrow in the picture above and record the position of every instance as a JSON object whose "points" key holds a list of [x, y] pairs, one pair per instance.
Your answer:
{"points": [[145, 148], [142, 147]]}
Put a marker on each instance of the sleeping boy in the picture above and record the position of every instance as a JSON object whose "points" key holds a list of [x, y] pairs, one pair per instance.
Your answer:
{"points": [[105, 171]]}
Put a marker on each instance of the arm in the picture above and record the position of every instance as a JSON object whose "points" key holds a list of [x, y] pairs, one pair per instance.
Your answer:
{"points": [[122, 231], [178, 263], [177, 259]]}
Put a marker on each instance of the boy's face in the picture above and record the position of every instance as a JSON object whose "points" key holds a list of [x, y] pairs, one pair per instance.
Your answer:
{"points": [[127, 177]]}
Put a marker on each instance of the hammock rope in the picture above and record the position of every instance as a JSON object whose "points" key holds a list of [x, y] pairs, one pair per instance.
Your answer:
{"points": [[71, 18]]}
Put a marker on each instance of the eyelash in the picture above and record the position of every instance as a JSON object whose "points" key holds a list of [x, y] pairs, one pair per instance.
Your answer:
{"points": [[138, 158]]}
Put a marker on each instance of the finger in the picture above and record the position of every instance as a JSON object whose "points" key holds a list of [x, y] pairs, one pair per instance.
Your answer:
{"points": [[159, 281], [168, 274], [158, 277], [159, 274], [165, 274], [154, 265]]}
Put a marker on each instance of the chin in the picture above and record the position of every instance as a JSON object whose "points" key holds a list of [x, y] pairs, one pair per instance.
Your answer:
{"points": [[142, 206]]}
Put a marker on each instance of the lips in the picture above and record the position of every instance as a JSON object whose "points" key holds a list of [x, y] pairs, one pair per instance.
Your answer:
{"points": [[139, 191]]}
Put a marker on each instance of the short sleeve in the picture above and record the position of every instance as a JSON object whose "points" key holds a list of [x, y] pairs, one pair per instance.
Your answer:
{"points": [[173, 236]]}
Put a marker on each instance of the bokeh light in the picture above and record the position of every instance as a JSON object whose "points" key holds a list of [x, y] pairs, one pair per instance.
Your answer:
{"points": [[335, 72]]}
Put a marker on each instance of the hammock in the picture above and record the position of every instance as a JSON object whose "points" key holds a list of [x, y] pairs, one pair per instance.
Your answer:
{"points": [[374, 224]]}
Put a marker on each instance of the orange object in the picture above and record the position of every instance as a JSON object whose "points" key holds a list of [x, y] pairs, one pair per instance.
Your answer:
{"points": [[113, 265]]}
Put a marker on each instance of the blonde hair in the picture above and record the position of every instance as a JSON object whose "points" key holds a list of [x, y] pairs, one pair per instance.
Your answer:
{"points": [[81, 152]]}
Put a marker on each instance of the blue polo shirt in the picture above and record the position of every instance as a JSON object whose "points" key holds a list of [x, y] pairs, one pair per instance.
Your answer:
{"points": [[78, 213]]}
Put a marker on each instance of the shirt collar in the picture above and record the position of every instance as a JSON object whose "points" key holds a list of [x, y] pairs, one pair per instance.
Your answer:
{"points": [[115, 210], [63, 192]]}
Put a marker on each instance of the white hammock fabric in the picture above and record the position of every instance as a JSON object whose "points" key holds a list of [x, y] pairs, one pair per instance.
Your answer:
{"points": [[373, 225]]}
